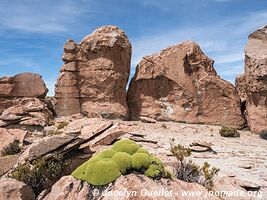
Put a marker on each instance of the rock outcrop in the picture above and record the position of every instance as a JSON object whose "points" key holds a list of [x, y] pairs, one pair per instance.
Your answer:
{"points": [[180, 84], [26, 112], [9, 136], [94, 75], [20, 85], [15, 190], [136, 187], [256, 80]]}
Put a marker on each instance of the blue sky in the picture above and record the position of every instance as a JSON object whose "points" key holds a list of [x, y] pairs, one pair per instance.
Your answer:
{"points": [[33, 32]]}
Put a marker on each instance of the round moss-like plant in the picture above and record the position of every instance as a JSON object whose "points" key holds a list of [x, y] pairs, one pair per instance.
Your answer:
{"points": [[125, 145], [108, 165], [153, 171], [123, 160], [85, 168], [99, 172], [140, 160], [156, 161], [109, 153], [142, 150]]}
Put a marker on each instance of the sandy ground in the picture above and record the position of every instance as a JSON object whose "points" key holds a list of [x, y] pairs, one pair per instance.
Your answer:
{"points": [[244, 158]]}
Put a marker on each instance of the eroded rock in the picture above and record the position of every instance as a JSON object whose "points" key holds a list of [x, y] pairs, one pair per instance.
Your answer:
{"points": [[9, 136], [94, 77], [68, 188], [138, 187], [180, 84], [23, 85], [27, 112], [19, 86], [256, 80], [15, 190], [45, 146]]}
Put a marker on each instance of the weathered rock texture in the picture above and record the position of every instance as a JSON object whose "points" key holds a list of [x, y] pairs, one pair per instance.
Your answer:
{"points": [[26, 112], [20, 85], [94, 77], [240, 84], [139, 187], [256, 80], [15, 190], [8, 136], [180, 84]]}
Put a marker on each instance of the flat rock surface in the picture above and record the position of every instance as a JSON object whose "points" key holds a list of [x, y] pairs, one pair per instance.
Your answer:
{"points": [[47, 145], [232, 153]]}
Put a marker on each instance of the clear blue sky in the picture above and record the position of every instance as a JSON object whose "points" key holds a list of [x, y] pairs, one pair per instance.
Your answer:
{"points": [[33, 32]]}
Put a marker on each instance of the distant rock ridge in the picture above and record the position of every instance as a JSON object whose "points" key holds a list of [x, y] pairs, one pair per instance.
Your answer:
{"points": [[93, 78], [180, 84]]}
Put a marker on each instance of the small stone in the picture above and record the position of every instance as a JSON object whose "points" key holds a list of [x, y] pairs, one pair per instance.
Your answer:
{"points": [[147, 120]]}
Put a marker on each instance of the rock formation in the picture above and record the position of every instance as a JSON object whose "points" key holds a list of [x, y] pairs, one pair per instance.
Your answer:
{"points": [[240, 84], [13, 189], [180, 84], [20, 85], [8, 136], [256, 80], [94, 75], [138, 187], [26, 112]]}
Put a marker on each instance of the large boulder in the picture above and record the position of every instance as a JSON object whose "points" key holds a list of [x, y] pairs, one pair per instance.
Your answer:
{"points": [[135, 187], [180, 84], [19, 86], [15, 190], [256, 80], [23, 85], [94, 75]]}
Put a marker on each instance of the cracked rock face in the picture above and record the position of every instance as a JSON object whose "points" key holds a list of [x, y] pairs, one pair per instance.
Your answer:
{"points": [[180, 84], [94, 77], [256, 80], [19, 86]]}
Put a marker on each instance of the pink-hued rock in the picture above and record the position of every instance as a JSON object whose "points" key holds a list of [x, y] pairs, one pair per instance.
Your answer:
{"points": [[256, 80], [69, 188], [19, 86], [23, 85], [240, 84], [180, 84], [94, 77], [15, 190], [8, 136], [26, 111]]}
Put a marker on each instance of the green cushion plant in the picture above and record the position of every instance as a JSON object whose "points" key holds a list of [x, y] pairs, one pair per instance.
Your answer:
{"points": [[142, 150], [124, 156], [125, 145], [123, 160], [140, 160]]}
